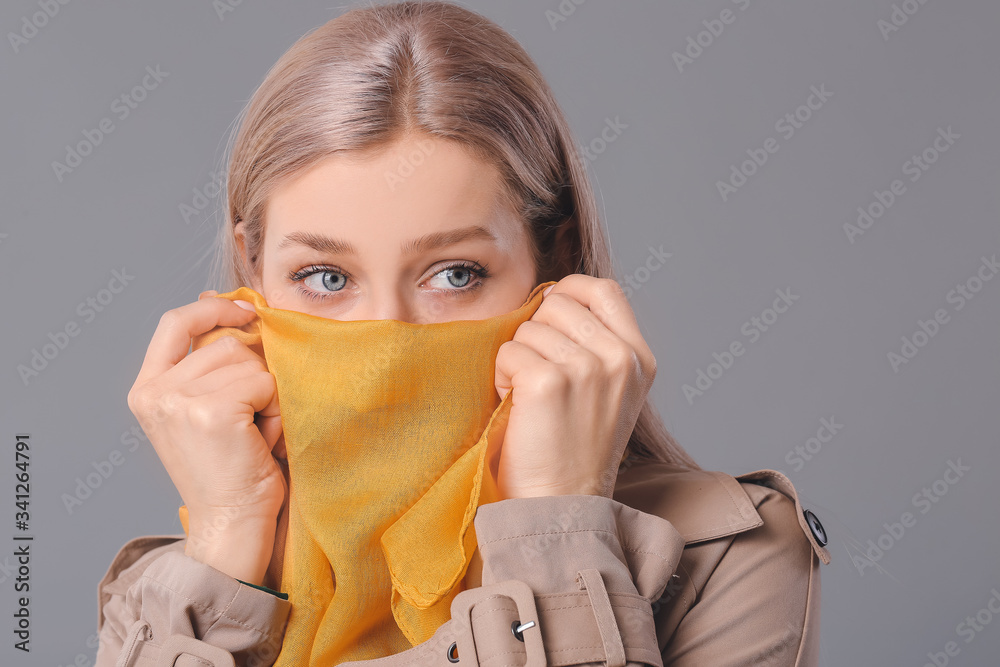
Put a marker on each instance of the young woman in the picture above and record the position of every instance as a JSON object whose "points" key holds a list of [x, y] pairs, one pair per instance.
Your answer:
{"points": [[408, 162]]}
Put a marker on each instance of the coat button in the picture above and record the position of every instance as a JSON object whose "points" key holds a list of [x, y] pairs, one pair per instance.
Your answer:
{"points": [[816, 527]]}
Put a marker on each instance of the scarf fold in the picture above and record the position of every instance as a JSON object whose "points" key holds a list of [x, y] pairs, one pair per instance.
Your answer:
{"points": [[387, 426]]}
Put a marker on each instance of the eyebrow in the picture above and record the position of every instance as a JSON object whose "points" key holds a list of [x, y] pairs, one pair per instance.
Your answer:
{"points": [[333, 246]]}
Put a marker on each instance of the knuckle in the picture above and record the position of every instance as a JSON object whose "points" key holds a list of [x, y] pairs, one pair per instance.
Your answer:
{"points": [[611, 294], [141, 399], [170, 319], [548, 380], [619, 364], [200, 413], [611, 284], [130, 399], [150, 406], [525, 329], [268, 379], [506, 349], [625, 361], [610, 288], [170, 404]]}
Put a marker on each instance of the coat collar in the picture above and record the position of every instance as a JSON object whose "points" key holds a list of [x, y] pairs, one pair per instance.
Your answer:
{"points": [[703, 504]]}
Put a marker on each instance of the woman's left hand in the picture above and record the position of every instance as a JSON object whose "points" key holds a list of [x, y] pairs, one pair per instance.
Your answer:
{"points": [[582, 372]]}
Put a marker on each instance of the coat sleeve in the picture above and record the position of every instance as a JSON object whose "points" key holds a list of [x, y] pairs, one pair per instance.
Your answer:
{"points": [[594, 564], [153, 594], [760, 606]]}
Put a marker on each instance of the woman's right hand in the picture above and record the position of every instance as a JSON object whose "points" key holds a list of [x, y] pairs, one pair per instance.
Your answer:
{"points": [[198, 411]]}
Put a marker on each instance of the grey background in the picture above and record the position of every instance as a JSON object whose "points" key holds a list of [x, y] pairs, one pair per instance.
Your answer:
{"points": [[826, 357]]}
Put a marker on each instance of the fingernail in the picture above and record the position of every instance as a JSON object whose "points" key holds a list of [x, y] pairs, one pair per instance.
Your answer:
{"points": [[210, 292], [244, 304], [545, 292]]}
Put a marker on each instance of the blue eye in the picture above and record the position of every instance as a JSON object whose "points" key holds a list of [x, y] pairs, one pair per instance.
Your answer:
{"points": [[328, 281], [332, 279], [464, 274]]}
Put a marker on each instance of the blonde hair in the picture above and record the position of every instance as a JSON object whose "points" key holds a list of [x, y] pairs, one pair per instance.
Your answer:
{"points": [[376, 73]]}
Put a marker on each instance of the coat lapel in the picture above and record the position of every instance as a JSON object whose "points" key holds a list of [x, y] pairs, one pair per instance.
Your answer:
{"points": [[701, 504]]}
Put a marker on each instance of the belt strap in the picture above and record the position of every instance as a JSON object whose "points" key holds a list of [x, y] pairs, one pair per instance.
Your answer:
{"points": [[605, 615], [137, 633], [591, 626], [175, 651], [556, 629]]}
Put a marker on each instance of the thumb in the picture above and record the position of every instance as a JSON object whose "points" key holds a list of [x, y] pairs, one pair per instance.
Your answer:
{"points": [[270, 429]]}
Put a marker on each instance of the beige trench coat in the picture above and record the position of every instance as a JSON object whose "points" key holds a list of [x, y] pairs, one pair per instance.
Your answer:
{"points": [[683, 569]]}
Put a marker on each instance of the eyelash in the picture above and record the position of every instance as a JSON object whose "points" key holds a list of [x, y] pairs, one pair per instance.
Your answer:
{"points": [[481, 270]]}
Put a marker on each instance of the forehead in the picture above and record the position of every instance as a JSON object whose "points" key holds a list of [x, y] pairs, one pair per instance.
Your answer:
{"points": [[417, 184]]}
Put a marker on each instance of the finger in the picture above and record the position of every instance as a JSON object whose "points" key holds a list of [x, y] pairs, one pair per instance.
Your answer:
{"points": [[231, 382], [564, 327], [214, 380], [256, 392], [555, 346], [270, 428], [260, 392], [513, 360], [221, 352], [605, 301], [279, 448], [172, 338]]}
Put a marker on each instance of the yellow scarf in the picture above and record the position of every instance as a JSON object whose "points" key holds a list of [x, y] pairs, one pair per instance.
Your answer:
{"points": [[386, 426]]}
